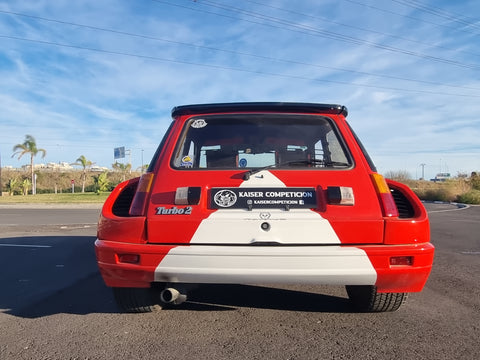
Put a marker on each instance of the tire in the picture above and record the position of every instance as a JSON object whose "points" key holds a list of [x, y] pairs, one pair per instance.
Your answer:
{"points": [[137, 300], [365, 298]]}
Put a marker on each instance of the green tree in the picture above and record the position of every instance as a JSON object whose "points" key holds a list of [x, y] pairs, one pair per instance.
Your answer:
{"points": [[101, 182], [122, 168], [83, 162], [29, 146], [26, 183]]}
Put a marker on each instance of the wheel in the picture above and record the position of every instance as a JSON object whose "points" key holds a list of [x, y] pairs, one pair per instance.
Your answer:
{"points": [[137, 300], [365, 298]]}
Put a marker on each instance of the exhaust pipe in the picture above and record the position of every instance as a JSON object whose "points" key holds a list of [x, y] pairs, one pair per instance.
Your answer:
{"points": [[172, 296]]}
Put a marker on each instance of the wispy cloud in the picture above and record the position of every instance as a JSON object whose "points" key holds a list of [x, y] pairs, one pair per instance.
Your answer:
{"points": [[84, 77]]}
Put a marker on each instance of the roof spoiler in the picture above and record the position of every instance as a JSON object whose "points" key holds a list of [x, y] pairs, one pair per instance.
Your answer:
{"points": [[281, 107]]}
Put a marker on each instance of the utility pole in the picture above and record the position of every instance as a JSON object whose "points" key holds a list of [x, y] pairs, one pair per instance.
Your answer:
{"points": [[1, 186], [423, 171]]}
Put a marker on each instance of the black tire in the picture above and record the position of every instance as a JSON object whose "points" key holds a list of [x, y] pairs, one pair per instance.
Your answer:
{"points": [[365, 298], [137, 300]]}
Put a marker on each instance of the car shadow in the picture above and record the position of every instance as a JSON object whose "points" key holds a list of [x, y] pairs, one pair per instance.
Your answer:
{"points": [[60, 275], [230, 297], [45, 275], [86, 296]]}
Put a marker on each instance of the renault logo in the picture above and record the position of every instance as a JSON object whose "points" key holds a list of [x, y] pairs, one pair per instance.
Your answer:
{"points": [[264, 215]]}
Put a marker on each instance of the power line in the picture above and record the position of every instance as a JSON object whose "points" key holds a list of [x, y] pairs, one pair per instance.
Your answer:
{"points": [[308, 30], [222, 67], [439, 12], [124, 33], [409, 17], [147, 37], [384, 34]]}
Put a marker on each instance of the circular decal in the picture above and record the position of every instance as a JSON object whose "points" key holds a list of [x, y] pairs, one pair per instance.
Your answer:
{"points": [[199, 123], [242, 163], [225, 198], [186, 161]]}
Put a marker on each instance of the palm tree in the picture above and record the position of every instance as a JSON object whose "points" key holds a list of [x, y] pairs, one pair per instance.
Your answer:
{"points": [[83, 162], [122, 168], [25, 185], [29, 146], [12, 186], [143, 168]]}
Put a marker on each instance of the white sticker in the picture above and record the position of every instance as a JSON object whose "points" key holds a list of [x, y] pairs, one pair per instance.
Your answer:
{"points": [[199, 123], [187, 162], [225, 198], [242, 162]]}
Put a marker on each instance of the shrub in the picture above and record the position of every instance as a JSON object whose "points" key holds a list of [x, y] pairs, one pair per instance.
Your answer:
{"points": [[50, 181], [475, 180], [400, 175], [439, 194], [471, 197]]}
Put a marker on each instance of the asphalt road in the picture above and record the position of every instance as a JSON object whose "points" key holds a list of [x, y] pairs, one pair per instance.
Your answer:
{"points": [[53, 304]]}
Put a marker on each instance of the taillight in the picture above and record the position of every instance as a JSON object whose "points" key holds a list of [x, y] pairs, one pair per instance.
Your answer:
{"points": [[139, 202], [187, 195], [340, 195], [389, 207]]}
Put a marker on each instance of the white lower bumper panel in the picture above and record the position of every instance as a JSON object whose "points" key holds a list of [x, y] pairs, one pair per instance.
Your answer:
{"points": [[330, 265]]}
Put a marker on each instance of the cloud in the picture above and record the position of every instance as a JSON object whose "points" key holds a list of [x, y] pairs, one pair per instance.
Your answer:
{"points": [[411, 86]]}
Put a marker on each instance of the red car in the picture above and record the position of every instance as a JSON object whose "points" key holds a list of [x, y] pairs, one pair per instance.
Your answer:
{"points": [[262, 193]]}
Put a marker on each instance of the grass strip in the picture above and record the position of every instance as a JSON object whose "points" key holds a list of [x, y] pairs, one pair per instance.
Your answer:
{"points": [[64, 198]]}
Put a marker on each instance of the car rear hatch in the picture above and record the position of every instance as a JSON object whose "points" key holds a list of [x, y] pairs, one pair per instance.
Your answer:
{"points": [[266, 210], [263, 179]]}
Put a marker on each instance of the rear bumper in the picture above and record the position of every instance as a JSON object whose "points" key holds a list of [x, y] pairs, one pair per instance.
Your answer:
{"points": [[331, 265]]}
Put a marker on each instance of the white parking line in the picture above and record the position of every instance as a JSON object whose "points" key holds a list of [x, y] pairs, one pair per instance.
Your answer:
{"points": [[25, 245], [77, 226]]}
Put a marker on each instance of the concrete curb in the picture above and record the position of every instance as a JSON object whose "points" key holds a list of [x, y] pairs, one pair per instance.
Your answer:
{"points": [[52, 206]]}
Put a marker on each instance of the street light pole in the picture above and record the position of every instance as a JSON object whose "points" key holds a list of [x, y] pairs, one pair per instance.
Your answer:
{"points": [[129, 153]]}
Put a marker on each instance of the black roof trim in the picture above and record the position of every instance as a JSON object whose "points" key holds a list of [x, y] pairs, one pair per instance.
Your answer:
{"points": [[283, 107]]}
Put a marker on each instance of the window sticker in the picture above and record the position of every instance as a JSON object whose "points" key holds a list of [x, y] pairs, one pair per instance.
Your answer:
{"points": [[242, 162], [264, 198], [199, 123], [187, 162]]}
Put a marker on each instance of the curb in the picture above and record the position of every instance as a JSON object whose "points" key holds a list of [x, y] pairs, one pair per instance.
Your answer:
{"points": [[52, 206]]}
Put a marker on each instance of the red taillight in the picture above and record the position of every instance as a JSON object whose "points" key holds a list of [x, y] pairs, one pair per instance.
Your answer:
{"points": [[139, 202], [386, 199]]}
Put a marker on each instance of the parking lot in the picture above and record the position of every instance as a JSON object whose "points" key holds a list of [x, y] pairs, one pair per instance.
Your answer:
{"points": [[53, 304]]}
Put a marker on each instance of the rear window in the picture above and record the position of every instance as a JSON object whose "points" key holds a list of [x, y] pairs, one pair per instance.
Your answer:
{"points": [[260, 140]]}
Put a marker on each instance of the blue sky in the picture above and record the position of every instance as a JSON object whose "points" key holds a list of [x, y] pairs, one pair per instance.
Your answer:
{"points": [[84, 77]]}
